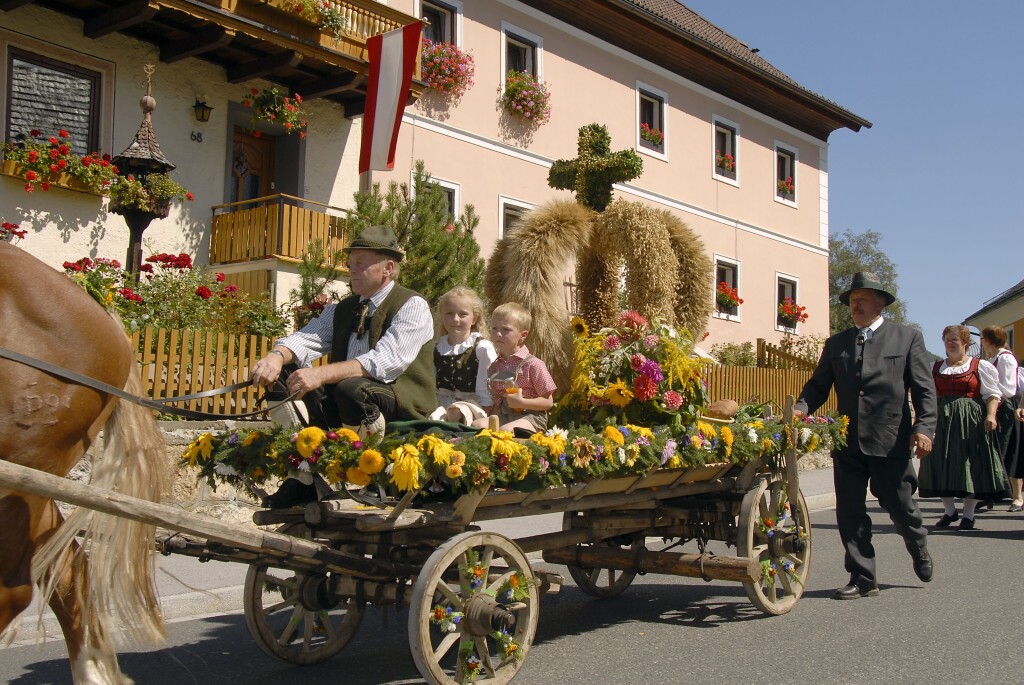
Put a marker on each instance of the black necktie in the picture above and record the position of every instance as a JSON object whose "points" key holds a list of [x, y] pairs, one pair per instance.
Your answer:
{"points": [[861, 338], [364, 318]]}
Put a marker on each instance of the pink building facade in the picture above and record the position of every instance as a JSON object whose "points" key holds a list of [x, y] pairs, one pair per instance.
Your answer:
{"points": [[765, 242]]}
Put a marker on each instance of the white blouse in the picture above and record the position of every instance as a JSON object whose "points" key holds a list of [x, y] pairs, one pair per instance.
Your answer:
{"points": [[986, 374], [485, 354], [1006, 366]]}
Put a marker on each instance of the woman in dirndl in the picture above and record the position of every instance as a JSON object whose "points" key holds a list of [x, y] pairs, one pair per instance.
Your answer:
{"points": [[993, 346], [965, 460]]}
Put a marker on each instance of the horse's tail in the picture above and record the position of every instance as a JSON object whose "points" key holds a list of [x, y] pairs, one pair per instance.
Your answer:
{"points": [[117, 581]]}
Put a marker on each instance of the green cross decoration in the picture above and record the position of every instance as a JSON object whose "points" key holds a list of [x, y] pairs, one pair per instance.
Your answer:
{"points": [[595, 169]]}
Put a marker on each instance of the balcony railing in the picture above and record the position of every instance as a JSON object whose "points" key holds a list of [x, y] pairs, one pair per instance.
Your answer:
{"points": [[276, 226]]}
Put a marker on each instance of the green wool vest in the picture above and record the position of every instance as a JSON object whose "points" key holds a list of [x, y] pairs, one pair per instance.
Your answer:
{"points": [[415, 389]]}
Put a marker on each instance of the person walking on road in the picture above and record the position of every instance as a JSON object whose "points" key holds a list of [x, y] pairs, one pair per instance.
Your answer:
{"points": [[872, 367]]}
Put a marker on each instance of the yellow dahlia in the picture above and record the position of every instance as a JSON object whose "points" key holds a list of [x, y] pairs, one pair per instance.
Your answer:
{"points": [[613, 434], [674, 462], [706, 429], [309, 439], [371, 461], [642, 431], [200, 447], [458, 458], [727, 438], [357, 477], [405, 472], [347, 434], [251, 438], [453, 471], [435, 447], [502, 442]]}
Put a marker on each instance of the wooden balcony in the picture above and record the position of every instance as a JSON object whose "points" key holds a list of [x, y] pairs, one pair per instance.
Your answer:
{"points": [[250, 39], [276, 227]]}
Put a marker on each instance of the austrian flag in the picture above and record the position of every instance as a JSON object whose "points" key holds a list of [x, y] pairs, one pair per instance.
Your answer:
{"points": [[392, 58]]}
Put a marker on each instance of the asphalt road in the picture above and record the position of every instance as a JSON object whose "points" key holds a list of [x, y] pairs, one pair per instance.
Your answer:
{"points": [[961, 628]]}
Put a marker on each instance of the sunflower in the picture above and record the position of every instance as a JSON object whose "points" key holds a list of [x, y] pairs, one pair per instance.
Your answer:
{"points": [[579, 327], [618, 393], [585, 452], [371, 461], [406, 468], [309, 439]]}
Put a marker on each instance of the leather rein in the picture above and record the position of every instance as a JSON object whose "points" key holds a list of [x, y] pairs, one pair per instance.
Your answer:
{"points": [[161, 404]]}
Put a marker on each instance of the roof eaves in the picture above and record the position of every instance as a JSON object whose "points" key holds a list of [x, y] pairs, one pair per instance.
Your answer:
{"points": [[773, 75]]}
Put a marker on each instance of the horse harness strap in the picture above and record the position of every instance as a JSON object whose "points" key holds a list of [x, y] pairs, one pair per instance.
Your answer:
{"points": [[160, 405]]}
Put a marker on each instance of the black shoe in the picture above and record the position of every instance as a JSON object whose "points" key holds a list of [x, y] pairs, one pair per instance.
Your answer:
{"points": [[947, 519], [856, 589], [967, 524], [923, 565], [290, 494]]}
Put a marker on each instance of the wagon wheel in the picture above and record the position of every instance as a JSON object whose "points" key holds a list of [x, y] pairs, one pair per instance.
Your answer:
{"points": [[768, 532], [291, 615], [464, 623], [602, 582]]}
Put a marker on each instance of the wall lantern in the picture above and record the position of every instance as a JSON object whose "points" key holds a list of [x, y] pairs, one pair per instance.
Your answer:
{"points": [[202, 110]]}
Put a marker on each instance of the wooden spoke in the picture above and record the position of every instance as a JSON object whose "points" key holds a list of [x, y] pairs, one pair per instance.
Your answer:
{"points": [[589, 579], [443, 657], [778, 594], [286, 629]]}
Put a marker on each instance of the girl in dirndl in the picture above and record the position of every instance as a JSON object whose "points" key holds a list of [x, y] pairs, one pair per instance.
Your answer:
{"points": [[461, 357]]}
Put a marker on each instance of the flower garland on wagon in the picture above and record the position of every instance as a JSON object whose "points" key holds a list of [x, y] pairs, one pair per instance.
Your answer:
{"points": [[438, 464]]}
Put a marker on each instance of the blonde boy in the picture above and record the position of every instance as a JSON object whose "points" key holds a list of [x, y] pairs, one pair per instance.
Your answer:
{"points": [[522, 390]]}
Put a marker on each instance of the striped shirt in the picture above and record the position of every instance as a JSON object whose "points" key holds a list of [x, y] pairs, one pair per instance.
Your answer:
{"points": [[410, 329]]}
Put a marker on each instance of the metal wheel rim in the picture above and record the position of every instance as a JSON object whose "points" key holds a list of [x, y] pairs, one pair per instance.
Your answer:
{"points": [[437, 653], [764, 501], [589, 579]]}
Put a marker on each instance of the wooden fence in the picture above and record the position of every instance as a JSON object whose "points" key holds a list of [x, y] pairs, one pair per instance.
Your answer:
{"points": [[182, 362]]}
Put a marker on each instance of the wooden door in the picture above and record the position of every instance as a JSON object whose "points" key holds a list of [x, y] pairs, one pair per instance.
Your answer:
{"points": [[252, 166]]}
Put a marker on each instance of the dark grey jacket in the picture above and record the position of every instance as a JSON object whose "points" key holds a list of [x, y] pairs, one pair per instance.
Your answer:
{"points": [[874, 396]]}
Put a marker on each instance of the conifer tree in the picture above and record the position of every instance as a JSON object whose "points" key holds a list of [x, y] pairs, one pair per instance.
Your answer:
{"points": [[440, 253]]}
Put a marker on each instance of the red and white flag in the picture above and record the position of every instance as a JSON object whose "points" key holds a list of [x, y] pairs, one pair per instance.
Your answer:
{"points": [[392, 58]]}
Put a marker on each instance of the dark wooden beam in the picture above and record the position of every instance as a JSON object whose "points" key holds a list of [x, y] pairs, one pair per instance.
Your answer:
{"points": [[263, 66], [336, 83], [118, 18], [355, 109], [8, 5], [209, 37]]}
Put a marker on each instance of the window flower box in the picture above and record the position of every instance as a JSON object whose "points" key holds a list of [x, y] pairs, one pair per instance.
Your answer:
{"points": [[43, 162], [727, 298], [725, 165], [446, 69], [790, 313], [526, 97], [320, 13], [786, 189], [59, 180], [654, 136]]}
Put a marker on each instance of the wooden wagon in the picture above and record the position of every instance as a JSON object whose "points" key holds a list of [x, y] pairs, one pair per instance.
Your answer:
{"points": [[473, 597]]}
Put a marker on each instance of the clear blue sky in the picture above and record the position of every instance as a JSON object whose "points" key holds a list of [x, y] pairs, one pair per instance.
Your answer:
{"points": [[939, 175]]}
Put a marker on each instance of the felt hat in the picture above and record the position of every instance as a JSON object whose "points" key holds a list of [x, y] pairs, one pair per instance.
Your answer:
{"points": [[378, 239], [865, 280]]}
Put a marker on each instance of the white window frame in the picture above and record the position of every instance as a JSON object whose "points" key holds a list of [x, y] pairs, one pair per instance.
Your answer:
{"points": [[717, 122], [447, 185], [784, 149], [455, 7], [730, 263], [105, 69], [649, 92], [504, 202], [795, 281], [538, 51]]}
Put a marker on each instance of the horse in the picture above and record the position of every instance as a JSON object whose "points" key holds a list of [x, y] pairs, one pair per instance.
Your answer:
{"points": [[95, 571]]}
